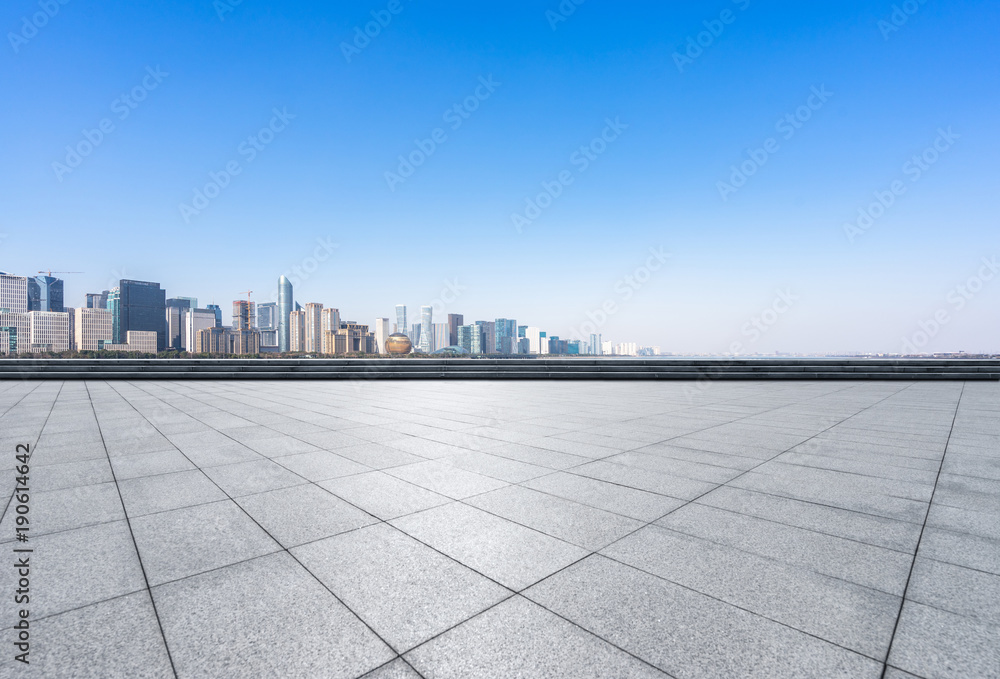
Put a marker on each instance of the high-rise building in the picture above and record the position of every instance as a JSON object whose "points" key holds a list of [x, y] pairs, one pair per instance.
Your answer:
{"points": [[212, 340], [314, 327], [45, 293], [267, 323], [91, 329], [196, 320], [138, 306], [381, 334], [15, 334], [244, 314], [414, 334], [329, 326], [49, 331], [506, 336], [595, 345], [441, 336], [13, 293], [297, 331], [401, 319], [176, 306], [454, 321], [489, 341], [217, 310], [470, 338], [352, 338], [284, 310], [427, 329], [534, 336], [97, 300]]}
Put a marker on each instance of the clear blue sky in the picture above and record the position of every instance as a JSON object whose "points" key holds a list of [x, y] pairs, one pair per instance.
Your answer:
{"points": [[891, 83]]}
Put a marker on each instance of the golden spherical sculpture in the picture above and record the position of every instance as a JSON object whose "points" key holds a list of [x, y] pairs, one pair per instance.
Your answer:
{"points": [[398, 344]]}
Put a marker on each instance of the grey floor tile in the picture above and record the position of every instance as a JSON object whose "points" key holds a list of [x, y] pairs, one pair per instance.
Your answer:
{"points": [[115, 638], [258, 476], [630, 502], [321, 465], [150, 494], [397, 669], [961, 549], [378, 456], [687, 634], [849, 615], [150, 464], [404, 590], [578, 524], [512, 555], [440, 477], [967, 592], [300, 514], [383, 495], [496, 467], [183, 542], [264, 618], [71, 474], [537, 456], [876, 567], [646, 479], [520, 639], [930, 642], [58, 510], [279, 445], [77, 568]]}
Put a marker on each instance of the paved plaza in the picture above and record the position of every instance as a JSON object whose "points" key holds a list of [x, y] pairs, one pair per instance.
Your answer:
{"points": [[396, 529]]}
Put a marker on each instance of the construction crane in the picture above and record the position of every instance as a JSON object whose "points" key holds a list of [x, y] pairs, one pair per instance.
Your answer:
{"points": [[247, 293], [49, 273]]}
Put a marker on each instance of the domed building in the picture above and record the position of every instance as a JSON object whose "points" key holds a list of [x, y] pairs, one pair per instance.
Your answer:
{"points": [[398, 344]]}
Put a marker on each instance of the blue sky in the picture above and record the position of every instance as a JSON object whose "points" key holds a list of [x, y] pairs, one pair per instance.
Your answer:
{"points": [[895, 82]]}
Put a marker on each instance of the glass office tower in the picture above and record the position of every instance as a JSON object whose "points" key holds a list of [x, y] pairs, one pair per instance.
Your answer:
{"points": [[401, 318], [427, 329], [45, 293], [138, 306], [284, 310]]}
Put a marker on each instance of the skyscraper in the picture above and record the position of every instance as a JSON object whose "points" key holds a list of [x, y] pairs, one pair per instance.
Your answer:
{"points": [[427, 329], [314, 327], [328, 331], [284, 310], [244, 314], [97, 300], [440, 336], [401, 318], [488, 329], [506, 336], [217, 310], [13, 293], [381, 333], [267, 321], [138, 306], [91, 329], [454, 321], [45, 293], [176, 308], [297, 331]]}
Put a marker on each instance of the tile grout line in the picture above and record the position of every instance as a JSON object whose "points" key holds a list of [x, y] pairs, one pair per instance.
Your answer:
{"points": [[135, 545], [916, 551]]}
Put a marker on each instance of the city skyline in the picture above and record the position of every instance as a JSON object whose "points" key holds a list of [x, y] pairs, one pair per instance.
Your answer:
{"points": [[531, 156]]}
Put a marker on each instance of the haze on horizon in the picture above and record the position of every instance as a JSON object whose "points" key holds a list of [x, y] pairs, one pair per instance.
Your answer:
{"points": [[699, 169]]}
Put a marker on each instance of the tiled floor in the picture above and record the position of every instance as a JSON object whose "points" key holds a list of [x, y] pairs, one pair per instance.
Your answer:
{"points": [[506, 529]]}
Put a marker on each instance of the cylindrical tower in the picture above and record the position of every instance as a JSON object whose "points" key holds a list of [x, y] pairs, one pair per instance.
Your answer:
{"points": [[284, 309]]}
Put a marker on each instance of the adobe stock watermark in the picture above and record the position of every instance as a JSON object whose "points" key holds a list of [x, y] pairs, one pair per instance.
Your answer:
{"points": [[787, 126], [624, 289], [901, 14], [363, 35], [562, 13], [755, 328], [224, 7], [248, 149], [31, 24], [122, 106], [454, 117], [581, 160], [299, 273], [957, 298], [913, 170], [697, 44]]}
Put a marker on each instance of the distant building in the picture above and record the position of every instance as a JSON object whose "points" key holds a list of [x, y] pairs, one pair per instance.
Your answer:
{"points": [[267, 323], [534, 336], [414, 334], [506, 336], [352, 338], [15, 335], [13, 293], [454, 322], [176, 308], [285, 302], [217, 310], [45, 293], [139, 341], [427, 329], [595, 345], [489, 340], [401, 319], [381, 335], [196, 320], [97, 300], [470, 338], [244, 315], [213, 340], [244, 342], [91, 329], [138, 306], [441, 336], [330, 325], [313, 327], [297, 331], [49, 331]]}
